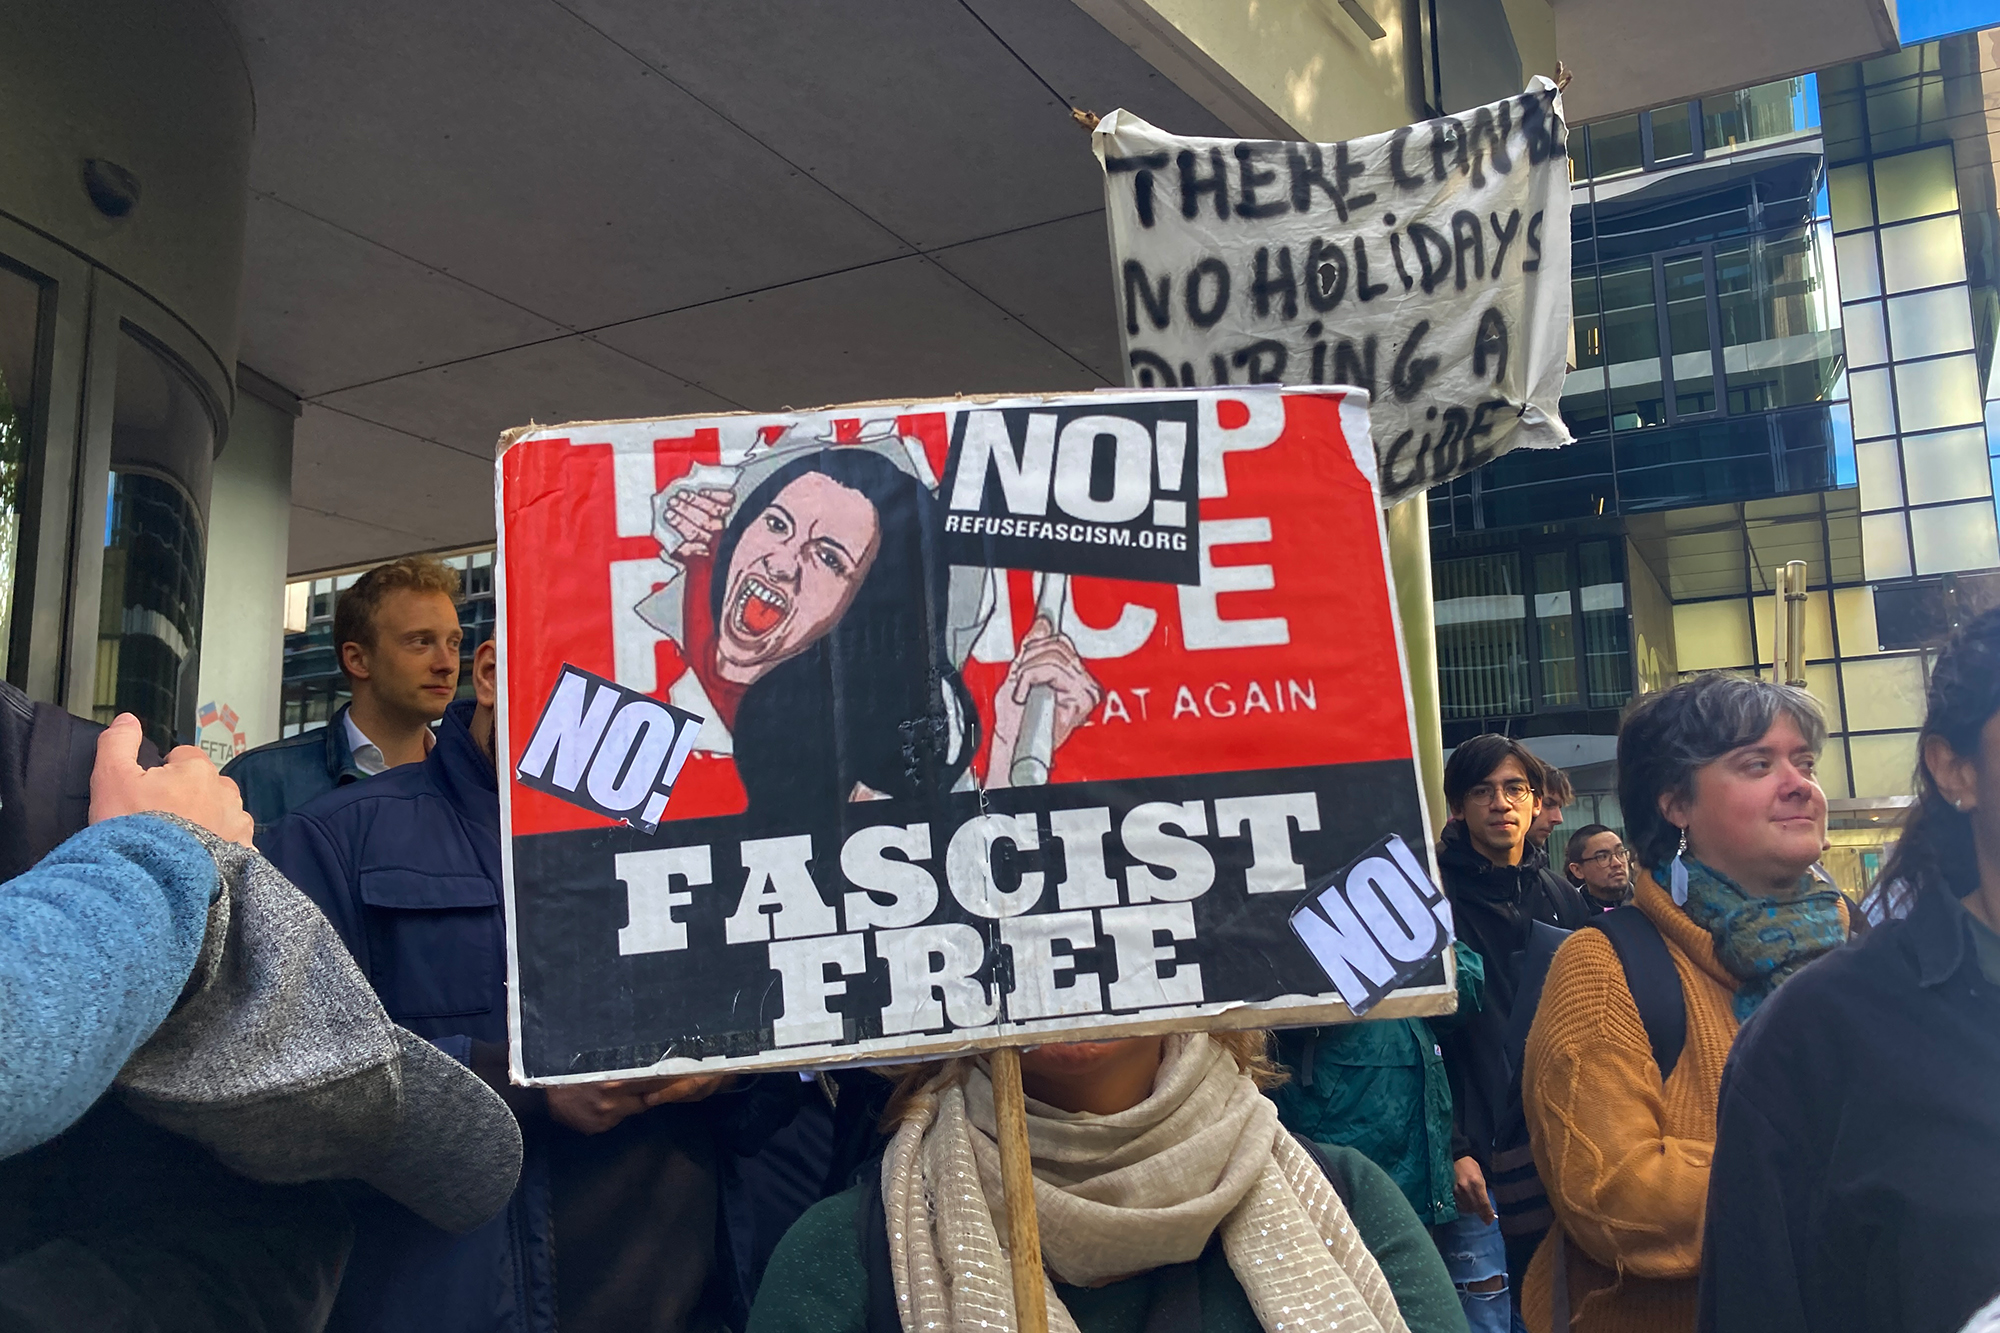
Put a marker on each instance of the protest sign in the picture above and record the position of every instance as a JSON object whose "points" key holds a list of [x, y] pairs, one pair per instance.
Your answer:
{"points": [[891, 731], [1429, 266]]}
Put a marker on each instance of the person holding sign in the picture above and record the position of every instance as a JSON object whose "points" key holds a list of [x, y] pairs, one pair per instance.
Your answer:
{"points": [[1168, 1197], [1716, 778]]}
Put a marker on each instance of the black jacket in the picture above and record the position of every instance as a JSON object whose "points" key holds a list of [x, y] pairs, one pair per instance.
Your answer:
{"points": [[407, 867], [1492, 907], [1856, 1180]]}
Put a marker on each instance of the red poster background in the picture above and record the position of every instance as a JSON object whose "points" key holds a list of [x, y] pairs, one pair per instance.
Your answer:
{"points": [[1334, 693]]}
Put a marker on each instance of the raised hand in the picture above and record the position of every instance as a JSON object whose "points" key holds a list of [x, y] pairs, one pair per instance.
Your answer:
{"points": [[688, 521], [187, 785], [1044, 658]]}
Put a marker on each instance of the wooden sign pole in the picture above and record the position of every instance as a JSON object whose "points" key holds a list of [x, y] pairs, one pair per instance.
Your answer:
{"points": [[1017, 1177]]}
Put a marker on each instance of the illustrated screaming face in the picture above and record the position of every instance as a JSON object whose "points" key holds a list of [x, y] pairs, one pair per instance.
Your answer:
{"points": [[794, 571]]}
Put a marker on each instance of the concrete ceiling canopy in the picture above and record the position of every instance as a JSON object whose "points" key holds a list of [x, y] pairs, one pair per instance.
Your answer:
{"points": [[473, 213]]}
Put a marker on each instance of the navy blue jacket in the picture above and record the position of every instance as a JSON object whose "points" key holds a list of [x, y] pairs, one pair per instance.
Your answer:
{"points": [[407, 868], [278, 778]]}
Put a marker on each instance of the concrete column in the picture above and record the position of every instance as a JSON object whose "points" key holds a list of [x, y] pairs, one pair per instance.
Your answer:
{"points": [[243, 602]]}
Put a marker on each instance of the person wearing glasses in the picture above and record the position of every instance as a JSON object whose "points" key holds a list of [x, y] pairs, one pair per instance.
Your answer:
{"points": [[1498, 889], [1600, 865]]}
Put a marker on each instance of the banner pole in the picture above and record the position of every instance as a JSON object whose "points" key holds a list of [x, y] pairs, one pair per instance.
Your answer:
{"points": [[1017, 1178], [1408, 524]]}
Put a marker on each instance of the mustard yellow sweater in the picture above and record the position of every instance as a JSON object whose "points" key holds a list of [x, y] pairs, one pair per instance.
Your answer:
{"points": [[1625, 1160]]}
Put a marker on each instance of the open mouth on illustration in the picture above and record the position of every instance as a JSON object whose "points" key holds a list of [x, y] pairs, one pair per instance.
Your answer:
{"points": [[758, 608]]}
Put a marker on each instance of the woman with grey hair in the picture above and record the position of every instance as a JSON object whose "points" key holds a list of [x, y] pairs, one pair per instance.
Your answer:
{"points": [[1725, 820]]}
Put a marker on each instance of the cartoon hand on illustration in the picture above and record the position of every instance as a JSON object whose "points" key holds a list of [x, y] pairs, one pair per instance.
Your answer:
{"points": [[687, 521], [1044, 658]]}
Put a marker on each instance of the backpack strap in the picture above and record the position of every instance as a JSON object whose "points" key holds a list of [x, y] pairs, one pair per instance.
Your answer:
{"points": [[1531, 972], [1650, 976]]}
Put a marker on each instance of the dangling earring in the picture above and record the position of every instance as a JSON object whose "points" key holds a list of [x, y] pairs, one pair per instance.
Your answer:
{"points": [[1677, 873]]}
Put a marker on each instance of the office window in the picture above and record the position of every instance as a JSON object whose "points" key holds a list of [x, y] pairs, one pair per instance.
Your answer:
{"points": [[1853, 205], [1884, 765], [1950, 465], [1863, 332], [1885, 546], [1854, 257], [1606, 647], [1954, 537], [1615, 146], [1823, 683], [1879, 472], [1885, 693], [1673, 133], [1854, 608], [1583, 405], [1868, 399], [1915, 185], [1922, 254], [1555, 624], [1773, 289], [1751, 115], [1688, 341], [1482, 636], [149, 603], [1632, 346], [1931, 323], [1832, 771], [1934, 394]]}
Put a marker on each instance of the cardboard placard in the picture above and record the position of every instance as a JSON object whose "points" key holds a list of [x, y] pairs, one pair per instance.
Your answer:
{"points": [[884, 732]]}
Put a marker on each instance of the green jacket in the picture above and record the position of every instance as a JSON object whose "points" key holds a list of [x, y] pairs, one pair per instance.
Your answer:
{"points": [[1379, 1086], [817, 1281]]}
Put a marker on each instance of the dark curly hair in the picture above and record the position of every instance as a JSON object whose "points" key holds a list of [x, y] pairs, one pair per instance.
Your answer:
{"points": [[874, 701], [1935, 851]]}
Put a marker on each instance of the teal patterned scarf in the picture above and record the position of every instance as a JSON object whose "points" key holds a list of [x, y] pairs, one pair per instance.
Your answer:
{"points": [[1761, 940]]}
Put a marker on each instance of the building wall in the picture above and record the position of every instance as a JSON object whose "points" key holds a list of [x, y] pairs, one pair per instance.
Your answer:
{"points": [[1921, 449], [1263, 65], [243, 613], [1855, 296]]}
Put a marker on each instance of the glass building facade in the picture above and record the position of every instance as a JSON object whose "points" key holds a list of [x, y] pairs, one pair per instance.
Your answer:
{"points": [[1785, 313]]}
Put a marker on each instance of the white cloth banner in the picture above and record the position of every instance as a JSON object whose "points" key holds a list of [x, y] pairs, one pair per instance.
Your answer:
{"points": [[1428, 265]]}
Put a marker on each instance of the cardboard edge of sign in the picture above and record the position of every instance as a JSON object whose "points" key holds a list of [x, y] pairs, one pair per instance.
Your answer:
{"points": [[513, 435], [1413, 1002]]}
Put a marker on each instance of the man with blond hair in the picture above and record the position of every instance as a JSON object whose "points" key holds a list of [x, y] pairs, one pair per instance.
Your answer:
{"points": [[396, 636]]}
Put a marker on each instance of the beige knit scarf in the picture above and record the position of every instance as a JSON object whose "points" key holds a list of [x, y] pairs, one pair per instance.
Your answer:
{"points": [[1118, 1195]]}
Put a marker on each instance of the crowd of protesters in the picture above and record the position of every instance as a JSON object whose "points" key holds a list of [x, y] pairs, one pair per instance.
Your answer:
{"points": [[1685, 1086]]}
